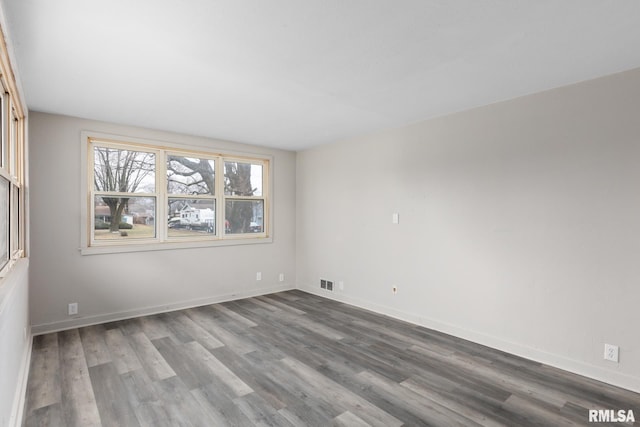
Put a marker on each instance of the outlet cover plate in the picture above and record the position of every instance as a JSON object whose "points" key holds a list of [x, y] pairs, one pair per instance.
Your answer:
{"points": [[611, 352], [73, 308]]}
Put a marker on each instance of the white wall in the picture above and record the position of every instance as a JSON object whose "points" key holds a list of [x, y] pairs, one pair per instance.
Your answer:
{"points": [[15, 333], [15, 341], [126, 284], [519, 224]]}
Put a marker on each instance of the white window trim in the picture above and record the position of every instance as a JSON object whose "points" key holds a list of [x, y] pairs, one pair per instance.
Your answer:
{"points": [[162, 242]]}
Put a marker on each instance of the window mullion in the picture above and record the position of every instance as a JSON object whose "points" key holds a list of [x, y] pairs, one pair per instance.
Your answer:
{"points": [[120, 194], [220, 215], [162, 198]]}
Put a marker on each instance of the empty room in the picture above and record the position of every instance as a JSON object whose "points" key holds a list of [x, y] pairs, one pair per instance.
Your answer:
{"points": [[319, 213]]}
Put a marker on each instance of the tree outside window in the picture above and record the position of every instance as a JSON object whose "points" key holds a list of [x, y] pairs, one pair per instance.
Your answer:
{"points": [[152, 193], [119, 177]]}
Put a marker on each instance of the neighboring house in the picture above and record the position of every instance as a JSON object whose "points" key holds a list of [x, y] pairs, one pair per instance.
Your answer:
{"points": [[192, 215], [103, 213]]}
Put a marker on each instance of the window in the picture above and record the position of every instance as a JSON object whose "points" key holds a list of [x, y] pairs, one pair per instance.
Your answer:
{"points": [[124, 196], [4, 221], [191, 189], [11, 166], [3, 145], [16, 219], [12, 245], [244, 201], [145, 196], [13, 142]]}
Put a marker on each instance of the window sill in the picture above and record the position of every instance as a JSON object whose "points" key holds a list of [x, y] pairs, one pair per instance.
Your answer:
{"points": [[145, 247], [12, 261]]}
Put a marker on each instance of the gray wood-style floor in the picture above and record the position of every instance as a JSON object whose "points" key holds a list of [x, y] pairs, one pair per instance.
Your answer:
{"points": [[294, 359]]}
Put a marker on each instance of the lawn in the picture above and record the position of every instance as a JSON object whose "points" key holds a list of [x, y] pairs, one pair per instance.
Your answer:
{"points": [[139, 231], [183, 232]]}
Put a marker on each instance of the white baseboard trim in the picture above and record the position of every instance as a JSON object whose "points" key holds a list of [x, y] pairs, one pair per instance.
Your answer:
{"points": [[617, 379], [78, 322], [17, 409]]}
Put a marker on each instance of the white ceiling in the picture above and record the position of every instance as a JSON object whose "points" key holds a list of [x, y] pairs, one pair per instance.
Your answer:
{"points": [[297, 73]]}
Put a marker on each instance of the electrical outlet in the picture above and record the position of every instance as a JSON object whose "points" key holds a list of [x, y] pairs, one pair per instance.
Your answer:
{"points": [[394, 289], [611, 352], [258, 276], [395, 218], [281, 277], [341, 285], [329, 285], [323, 284], [73, 308]]}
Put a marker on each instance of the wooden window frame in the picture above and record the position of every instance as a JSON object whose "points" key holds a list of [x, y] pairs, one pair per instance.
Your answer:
{"points": [[162, 241], [194, 154], [263, 198], [12, 140], [116, 194]]}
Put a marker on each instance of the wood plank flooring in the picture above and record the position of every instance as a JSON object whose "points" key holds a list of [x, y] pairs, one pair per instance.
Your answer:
{"points": [[295, 359]]}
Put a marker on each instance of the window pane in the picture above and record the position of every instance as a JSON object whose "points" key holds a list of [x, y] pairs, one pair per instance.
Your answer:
{"points": [[242, 179], [188, 175], [15, 219], [124, 218], [3, 149], [191, 217], [124, 171], [4, 221], [13, 148], [244, 216]]}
